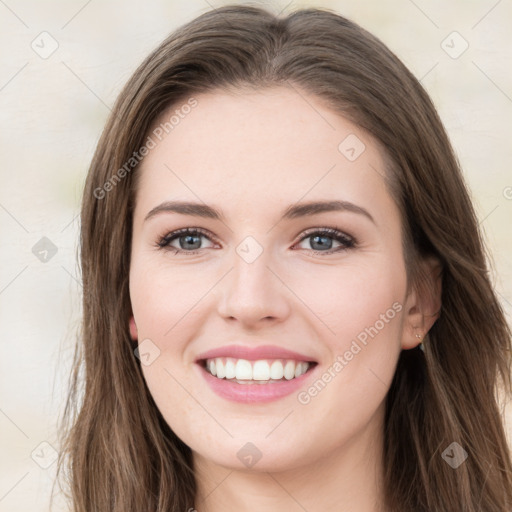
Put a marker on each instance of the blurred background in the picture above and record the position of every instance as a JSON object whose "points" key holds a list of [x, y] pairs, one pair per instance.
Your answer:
{"points": [[63, 64]]}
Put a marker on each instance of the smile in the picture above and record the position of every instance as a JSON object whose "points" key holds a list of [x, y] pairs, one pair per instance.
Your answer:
{"points": [[263, 371], [259, 373]]}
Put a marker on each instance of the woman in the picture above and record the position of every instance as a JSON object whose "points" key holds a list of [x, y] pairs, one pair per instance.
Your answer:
{"points": [[286, 298]]}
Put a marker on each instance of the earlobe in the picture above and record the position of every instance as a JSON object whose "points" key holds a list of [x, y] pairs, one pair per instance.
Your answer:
{"points": [[423, 304], [413, 327], [133, 329]]}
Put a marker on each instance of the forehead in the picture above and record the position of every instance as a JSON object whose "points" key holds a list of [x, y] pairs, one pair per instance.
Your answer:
{"points": [[257, 148]]}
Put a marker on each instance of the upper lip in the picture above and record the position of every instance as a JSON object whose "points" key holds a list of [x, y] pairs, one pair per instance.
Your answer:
{"points": [[254, 353]]}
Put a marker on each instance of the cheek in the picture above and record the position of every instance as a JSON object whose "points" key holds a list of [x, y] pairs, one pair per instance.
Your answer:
{"points": [[163, 300], [365, 302], [358, 318], [166, 307], [344, 299], [163, 311]]}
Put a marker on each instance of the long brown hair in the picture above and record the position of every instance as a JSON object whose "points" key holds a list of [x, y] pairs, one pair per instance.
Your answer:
{"points": [[118, 452]]}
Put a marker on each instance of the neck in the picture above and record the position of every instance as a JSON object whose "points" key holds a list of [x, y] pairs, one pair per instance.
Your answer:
{"points": [[349, 478]]}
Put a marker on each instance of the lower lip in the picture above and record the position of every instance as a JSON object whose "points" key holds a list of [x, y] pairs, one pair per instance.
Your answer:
{"points": [[251, 393]]}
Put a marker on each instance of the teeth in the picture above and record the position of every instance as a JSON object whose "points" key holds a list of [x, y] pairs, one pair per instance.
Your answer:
{"points": [[276, 370], [220, 369], [243, 369], [262, 370], [300, 369], [289, 370], [229, 367]]}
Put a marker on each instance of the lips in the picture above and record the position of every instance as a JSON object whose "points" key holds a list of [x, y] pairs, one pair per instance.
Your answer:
{"points": [[254, 374], [254, 353]]}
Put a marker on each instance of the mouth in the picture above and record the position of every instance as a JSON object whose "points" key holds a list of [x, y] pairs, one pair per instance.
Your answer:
{"points": [[250, 374], [261, 371], [248, 381]]}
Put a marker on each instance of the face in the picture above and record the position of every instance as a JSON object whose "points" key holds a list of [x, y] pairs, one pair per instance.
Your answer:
{"points": [[269, 289]]}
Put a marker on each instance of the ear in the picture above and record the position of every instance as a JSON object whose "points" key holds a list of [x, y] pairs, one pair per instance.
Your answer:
{"points": [[133, 329], [423, 303]]}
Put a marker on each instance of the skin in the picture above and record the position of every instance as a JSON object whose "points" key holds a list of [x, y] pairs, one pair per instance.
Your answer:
{"points": [[252, 154]]}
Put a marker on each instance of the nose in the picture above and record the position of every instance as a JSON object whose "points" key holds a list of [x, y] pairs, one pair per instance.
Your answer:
{"points": [[253, 293]]}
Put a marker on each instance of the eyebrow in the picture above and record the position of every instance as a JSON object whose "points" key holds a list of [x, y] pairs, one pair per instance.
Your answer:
{"points": [[292, 212]]}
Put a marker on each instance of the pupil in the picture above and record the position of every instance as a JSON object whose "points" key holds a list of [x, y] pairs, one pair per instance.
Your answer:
{"points": [[322, 245], [190, 238]]}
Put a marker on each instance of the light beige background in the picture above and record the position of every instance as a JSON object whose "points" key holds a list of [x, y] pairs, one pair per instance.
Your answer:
{"points": [[52, 112]]}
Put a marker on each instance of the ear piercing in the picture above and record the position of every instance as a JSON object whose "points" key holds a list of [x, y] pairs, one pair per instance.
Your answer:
{"points": [[420, 337]]}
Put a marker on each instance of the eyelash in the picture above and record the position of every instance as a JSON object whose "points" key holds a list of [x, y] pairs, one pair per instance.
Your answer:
{"points": [[348, 242]]}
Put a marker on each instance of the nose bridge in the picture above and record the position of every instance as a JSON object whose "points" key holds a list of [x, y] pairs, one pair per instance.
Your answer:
{"points": [[251, 276], [252, 291]]}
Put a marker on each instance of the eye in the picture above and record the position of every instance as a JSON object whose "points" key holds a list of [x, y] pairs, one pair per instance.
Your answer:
{"points": [[321, 240], [188, 239]]}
